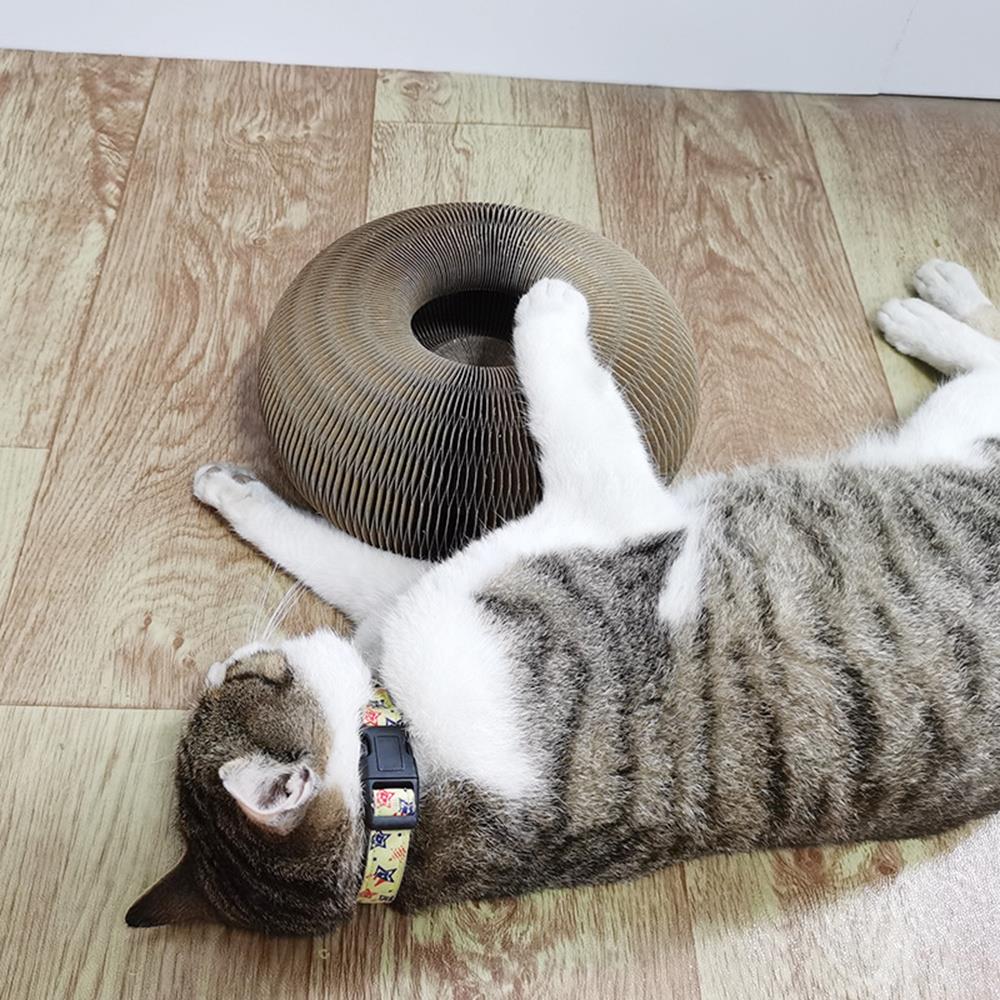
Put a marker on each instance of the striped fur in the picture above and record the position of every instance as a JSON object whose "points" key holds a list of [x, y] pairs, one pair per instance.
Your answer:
{"points": [[841, 682], [294, 884], [798, 655]]}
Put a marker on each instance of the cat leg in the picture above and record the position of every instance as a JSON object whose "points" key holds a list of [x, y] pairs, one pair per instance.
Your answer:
{"points": [[950, 425], [352, 576], [953, 421], [924, 332], [594, 463], [954, 290]]}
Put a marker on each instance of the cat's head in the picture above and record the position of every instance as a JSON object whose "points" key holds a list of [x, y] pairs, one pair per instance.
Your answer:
{"points": [[269, 794]]}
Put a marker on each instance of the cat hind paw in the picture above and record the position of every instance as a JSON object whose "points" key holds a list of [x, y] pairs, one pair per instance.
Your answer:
{"points": [[950, 287]]}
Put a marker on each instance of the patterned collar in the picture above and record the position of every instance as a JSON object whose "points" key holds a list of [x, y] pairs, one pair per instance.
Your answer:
{"points": [[391, 789]]}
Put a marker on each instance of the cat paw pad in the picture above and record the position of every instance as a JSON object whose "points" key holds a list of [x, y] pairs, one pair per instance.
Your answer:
{"points": [[219, 484]]}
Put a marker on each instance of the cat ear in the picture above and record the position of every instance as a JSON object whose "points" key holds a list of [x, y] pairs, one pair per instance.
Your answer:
{"points": [[175, 899], [271, 793]]}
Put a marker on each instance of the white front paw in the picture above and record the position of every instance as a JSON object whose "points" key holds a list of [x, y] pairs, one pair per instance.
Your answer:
{"points": [[950, 287], [550, 299], [220, 485]]}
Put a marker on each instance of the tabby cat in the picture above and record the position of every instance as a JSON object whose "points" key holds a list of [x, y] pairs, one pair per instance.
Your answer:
{"points": [[632, 674]]}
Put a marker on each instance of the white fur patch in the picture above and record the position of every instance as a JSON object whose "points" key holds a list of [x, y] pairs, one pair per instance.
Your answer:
{"points": [[451, 678], [332, 669], [594, 463], [350, 575], [681, 597], [922, 331], [948, 428]]}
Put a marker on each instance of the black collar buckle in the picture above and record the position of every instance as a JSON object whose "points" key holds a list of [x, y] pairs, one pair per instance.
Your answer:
{"points": [[387, 762]]}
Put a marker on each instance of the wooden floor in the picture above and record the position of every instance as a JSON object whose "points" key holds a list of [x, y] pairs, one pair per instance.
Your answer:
{"points": [[150, 214]]}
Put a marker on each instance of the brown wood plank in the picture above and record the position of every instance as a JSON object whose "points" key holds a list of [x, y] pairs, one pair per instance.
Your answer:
{"points": [[550, 169], [20, 473], [718, 194], [69, 126], [909, 179], [242, 173], [408, 96], [915, 920]]}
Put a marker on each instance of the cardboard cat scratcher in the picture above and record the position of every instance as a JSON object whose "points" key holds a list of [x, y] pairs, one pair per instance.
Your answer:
{"points": [[387, 380]]}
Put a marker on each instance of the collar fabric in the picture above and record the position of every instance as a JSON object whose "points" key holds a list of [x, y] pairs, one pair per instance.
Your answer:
{"points": [[387, 849]]}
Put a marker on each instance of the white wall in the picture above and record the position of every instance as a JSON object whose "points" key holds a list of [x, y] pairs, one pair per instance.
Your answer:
{"points": [[948, 47], [852, 46]]}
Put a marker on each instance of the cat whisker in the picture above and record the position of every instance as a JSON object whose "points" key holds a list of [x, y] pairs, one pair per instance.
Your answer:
{"points": [[276, 614], [282, 610], [259, 614]]}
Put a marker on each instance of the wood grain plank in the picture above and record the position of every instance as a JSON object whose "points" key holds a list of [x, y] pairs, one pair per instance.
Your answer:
{"points": [[909, 920], [718, 194], [20, 473], [242, 173], [407, 96], [69, 125], [909, 179], [549, 169], [79, 845]]}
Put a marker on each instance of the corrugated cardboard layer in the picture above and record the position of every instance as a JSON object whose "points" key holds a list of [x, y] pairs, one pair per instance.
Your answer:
{"points": [[386, 379]]}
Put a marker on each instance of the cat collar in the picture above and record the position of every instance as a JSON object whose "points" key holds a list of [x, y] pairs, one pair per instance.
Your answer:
{"points": [[391, 787]]}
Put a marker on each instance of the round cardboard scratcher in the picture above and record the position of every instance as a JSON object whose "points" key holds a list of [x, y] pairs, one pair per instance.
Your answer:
{"points": [[387, 381]]}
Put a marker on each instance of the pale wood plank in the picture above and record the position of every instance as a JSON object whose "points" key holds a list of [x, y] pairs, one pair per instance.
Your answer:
{"points": [[549, 169], [242, 173], [20, 473], [718, 194], [69, 126], [909, 179], [88, 827], [86, 798], [917, 919], [409, 96], [612, 941]]}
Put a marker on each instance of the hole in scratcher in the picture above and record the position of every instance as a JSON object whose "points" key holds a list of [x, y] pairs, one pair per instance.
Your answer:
{"points": [[471, 327]]}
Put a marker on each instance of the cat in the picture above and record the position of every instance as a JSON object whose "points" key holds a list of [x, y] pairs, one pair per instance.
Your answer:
{"points": [[633, 674]]}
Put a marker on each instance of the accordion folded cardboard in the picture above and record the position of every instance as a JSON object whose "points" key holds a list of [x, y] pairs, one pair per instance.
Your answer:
{"points": [[387, 381]]}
